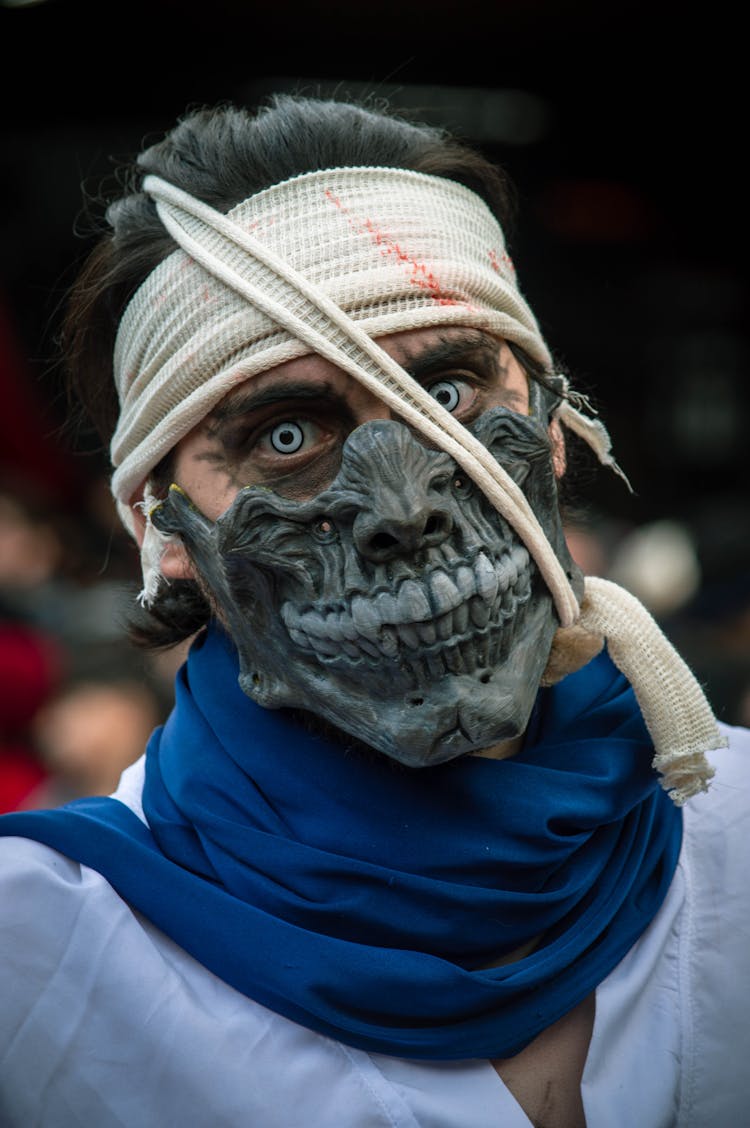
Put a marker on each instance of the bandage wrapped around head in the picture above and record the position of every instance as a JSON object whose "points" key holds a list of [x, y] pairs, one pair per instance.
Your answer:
{"points": [[327, 262], [391, 249]]}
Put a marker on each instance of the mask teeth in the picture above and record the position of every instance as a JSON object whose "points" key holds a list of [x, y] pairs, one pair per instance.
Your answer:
{"points": [[412, 644], [453, 659], [479, 612], [420, 602], [455, 612]]}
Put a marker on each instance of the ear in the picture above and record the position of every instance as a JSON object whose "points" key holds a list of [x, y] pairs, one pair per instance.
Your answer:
{"points": [[174, 562], [557, 442]]}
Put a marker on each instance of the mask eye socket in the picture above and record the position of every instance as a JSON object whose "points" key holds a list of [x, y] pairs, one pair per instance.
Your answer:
{"points": [[447, 393], [287, 437], [462, 484]]}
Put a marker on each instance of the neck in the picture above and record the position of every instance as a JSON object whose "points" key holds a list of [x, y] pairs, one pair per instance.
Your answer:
{"points": [[502, 750], [517, 953]]}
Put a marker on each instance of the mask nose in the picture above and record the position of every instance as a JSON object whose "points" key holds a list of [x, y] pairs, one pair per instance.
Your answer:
{"points": [[403, 512], [380, 537]]}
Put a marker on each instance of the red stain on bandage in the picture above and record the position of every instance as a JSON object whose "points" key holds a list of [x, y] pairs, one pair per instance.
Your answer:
{"points": [[496, 259], [421, 275], [257, 226]]}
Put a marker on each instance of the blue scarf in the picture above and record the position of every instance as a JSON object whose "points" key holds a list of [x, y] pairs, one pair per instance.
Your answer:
{"points": [[362, 899]]}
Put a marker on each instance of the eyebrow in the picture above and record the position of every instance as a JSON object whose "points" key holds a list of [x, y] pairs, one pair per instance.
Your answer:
{"points": [[450, 350], [248, 400]]}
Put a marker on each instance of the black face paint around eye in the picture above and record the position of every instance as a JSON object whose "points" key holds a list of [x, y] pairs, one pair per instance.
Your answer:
{"points": [[398, 604]]}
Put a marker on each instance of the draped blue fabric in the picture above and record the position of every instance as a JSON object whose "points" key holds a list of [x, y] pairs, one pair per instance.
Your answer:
{"points": [[366, 900]]}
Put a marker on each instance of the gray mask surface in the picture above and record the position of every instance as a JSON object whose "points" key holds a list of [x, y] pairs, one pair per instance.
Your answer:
{"points": [[397, 604]]}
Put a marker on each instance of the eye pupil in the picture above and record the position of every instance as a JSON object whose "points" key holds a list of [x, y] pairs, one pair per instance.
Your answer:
{"points": [[287, 438], [446, 393]]}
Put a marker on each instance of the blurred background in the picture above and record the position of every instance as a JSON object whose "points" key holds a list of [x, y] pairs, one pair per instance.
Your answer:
{"points": [[623, 129]]}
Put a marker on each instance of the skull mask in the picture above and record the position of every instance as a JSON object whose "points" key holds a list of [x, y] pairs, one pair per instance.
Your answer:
{"points": [[397, 604]]}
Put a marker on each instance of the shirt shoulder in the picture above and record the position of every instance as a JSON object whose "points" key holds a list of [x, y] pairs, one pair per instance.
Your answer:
{"points": [[42, 896], [717, 824], [715, 967], [732, 762]]}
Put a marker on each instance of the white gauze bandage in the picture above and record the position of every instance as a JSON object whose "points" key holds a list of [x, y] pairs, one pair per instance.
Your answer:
{"points": [[324, 263]]}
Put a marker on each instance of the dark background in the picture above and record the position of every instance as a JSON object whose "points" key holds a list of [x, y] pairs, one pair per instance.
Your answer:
{"points": [[622, 126]]}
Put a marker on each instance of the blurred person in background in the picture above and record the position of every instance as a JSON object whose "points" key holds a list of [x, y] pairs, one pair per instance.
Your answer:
{"points": [[31, 667], [439, 830], [88, 733], [694, 577], [77, 704]]}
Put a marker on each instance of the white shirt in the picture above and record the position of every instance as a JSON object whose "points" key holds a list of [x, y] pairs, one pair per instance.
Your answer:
{"points": [[105, 1022]]}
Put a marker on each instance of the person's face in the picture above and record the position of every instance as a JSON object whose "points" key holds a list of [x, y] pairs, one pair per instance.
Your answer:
{"points": [[362, 576]]}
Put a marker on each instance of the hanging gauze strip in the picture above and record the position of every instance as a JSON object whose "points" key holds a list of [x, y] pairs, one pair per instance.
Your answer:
{"points": [[675, 709]]}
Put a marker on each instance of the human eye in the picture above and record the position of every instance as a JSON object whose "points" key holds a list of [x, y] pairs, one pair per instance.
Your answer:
{"points": [[453, 392], [288, 437]]}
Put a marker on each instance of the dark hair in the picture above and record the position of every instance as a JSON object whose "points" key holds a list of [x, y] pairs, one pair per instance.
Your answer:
{"points": [[222, 155]]}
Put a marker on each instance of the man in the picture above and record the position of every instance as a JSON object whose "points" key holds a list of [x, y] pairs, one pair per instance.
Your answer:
{"points": [[410, 849]]}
